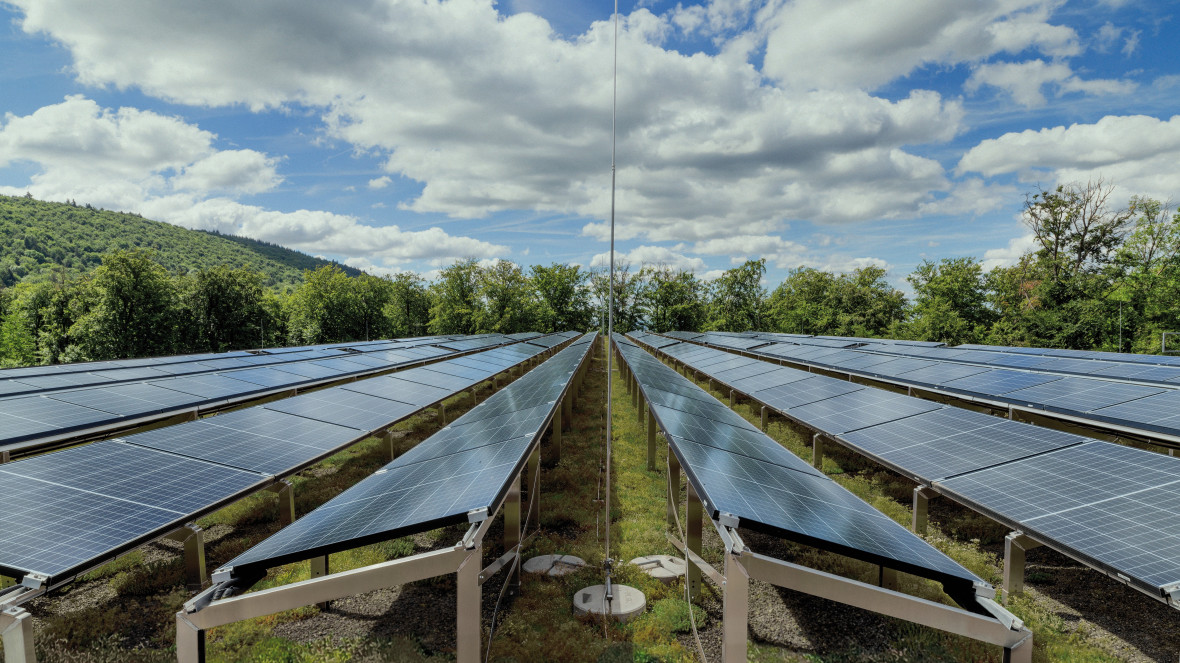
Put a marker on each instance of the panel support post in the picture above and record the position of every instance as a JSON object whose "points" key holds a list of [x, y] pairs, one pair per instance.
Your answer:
{"points": [[639, 405], [319, 569], [467, 620], [193, 538], [190, 641], [556, 437], [922, 495], [567, 410], [735, 609], [474, 396], [5, 456], [390, 443], [16, 628], [651, 440], [634, 393], [1015, 545], [694, 515], [888, 579], [817, 451], [534, 486], [673, 488], [765, 418], [512, 532], [732, 398], [442, 414], [286, 493]]}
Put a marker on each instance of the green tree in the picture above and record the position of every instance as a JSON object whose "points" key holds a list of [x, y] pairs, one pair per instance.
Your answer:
{"points": [[804, 303], [371, 296], [563, 298], [408, 310], [738, 298], [674, 299], [455, 301], [224, 307], [324, 309], [130, 308], [508, 301], [628, 308], [950, 302]]}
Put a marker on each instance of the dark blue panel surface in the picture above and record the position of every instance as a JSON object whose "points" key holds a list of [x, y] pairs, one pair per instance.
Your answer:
{"points": [[859, 409]]}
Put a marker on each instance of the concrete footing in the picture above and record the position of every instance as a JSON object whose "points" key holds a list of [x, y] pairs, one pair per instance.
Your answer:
{"points": [[627, 603]]}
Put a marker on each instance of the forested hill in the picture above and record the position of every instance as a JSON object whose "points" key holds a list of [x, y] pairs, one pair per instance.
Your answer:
{"points": [[40, 238]]}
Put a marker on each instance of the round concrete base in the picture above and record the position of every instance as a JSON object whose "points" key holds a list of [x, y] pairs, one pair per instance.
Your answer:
{"points": [[627, 604], [554, 565], [664, 568]]}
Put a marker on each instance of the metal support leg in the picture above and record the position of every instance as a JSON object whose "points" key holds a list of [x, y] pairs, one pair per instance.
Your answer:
{"points": [[193, 538], [651, 440], [635, 394], [286, 493], [16, 629], [556, 437], [673, 488], [567, 410], [735, 610], [390, 443], [469, 632], [765, 418], [732, 398], [694, 515], [442, 414], [474, 396], [888, 579], [5, 456], [190, 641], [512, 531], [1015, 545], [534, 469], [922, 495], [320, 568], [817, 451], [639, 405]]}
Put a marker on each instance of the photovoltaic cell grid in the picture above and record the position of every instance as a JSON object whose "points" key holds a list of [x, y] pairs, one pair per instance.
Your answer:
{"points": [[54, 502], [797, 503], [426, 488], [1114, 507]]}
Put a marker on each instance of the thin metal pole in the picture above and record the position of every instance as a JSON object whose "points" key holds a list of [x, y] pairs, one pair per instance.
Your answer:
{"points": [[610, 324]]}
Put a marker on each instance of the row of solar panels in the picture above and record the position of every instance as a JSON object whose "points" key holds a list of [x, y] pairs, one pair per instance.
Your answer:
{"points": [[67, 511], [31, 421], [459, 474], [1152, 412], [740, 472], [1113, 507]]}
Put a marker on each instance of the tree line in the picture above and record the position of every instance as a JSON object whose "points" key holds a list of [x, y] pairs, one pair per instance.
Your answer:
{"points": [[1098, 278]]}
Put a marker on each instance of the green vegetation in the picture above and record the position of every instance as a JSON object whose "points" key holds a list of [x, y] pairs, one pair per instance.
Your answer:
{"points": [[42, 241]]}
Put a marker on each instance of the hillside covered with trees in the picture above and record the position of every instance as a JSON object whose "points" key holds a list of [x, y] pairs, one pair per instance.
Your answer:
{"points": [[1100, 278], [39, 240]]}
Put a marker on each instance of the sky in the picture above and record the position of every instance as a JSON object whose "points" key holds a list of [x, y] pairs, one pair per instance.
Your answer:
{"points": [[402, 135]]}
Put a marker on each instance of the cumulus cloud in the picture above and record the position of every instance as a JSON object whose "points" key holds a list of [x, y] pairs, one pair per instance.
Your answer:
{"points": [[643, 256], [867, 43], [1136, 152], [169, 170], [494, 113], [380, 182], [1010, 254], [1025, 81]]}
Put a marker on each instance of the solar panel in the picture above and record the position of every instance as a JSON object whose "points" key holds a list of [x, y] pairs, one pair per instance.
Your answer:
{"points": [[266, 377], [53, 501], [807, 390], [127, 399], [210, 387], [859, 409], [441, 380], [63, 380], [732, 438], [345, 408], [776, 377], [943, 372], [1160, 412], [1079, 394], [998, 382], [397, 389], [45, 415]]}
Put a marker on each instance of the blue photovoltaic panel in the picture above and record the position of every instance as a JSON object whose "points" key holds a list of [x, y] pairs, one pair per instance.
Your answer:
{"points": [[308, 369], [266, 377], [899, 367], [1160, 412], [225, 363], [802, 392], [50, 414], [709, 408], [732, 438], [345, 408], [128, 374], [949, 441], [1139, 372], [457, 370], [64, 509], [943, 372], [859, 409], [464, 435], [399, 499], [442, 380], [1079, 394], [342, 364], [813, 510], [127, 399], [998, 382], [63, 380], [776, 377], [1017, 361], [210, 387], [861, 360], [397, 389]]}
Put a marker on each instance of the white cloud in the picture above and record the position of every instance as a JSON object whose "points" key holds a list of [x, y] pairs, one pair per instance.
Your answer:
{"points": [[169, 170], [777, 251], [707, 147], [867, 43], [844, 264], [1010, 254], [649, 255], [1135, 152], [380, 182], [1025, 80]]}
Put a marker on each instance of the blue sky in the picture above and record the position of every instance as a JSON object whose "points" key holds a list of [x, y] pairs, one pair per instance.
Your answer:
{"points": [[403, 134]]}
